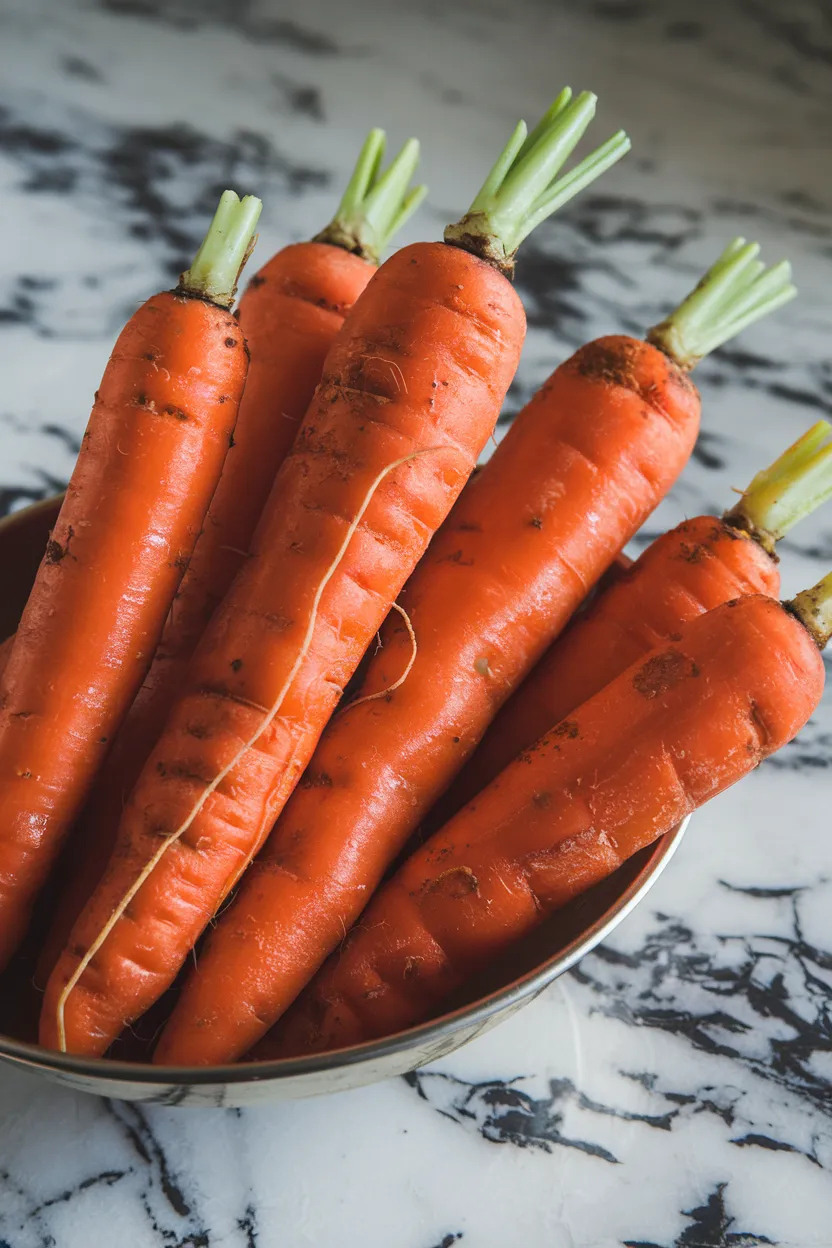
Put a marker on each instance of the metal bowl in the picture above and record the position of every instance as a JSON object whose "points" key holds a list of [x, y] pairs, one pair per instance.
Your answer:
{"points": [[510, 983]]}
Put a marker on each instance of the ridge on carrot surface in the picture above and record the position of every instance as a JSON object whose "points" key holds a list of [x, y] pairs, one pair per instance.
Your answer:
{"points": [[577, 474], [693, 568], [683, 723], [389, 439], [149, 462], [290, 314]]}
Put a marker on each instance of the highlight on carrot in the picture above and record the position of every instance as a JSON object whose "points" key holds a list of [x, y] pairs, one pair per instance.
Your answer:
{"points": [[680, 725], [149, 462], [290, 314], [691, 569], [578, 473], [410, 392]]}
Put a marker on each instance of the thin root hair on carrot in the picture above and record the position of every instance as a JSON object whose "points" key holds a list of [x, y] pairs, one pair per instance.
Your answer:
{"points": [[782, 495], [525, 185], [736, 291], [395, 369], [269, 714], [397, 684]]}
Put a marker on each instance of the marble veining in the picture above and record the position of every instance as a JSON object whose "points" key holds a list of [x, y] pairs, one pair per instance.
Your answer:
{"points": [[674, 1090]]}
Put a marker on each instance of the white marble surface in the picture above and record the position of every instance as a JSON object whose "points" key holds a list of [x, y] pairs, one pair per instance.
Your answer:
{"points": [[676, 1089]]}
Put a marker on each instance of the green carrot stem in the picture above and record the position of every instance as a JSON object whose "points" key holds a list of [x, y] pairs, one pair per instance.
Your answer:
{"points": [[796, 484], [813, 607], [523, 188], [224, 250], [734, 293], [375, 205]]}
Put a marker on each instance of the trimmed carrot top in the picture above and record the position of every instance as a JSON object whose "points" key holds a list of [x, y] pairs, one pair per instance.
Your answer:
{"points": [[523, 187], [224, 250], [736, 291], [791, 488], [813, 607], [375, 205]]}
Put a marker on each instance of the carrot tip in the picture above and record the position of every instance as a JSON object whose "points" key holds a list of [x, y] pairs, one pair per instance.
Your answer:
{"points": [[523, 187], [736, 291], [224, 250], [375, 205]]}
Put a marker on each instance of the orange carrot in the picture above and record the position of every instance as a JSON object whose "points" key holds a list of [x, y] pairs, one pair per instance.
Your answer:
{"points": [[691, 569], [290, 314], [149, 463], [577, 474], [679, 726], [409, 395]]}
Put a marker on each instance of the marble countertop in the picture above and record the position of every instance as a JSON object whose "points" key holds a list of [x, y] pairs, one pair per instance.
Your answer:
{"points": [[675, 1089]]}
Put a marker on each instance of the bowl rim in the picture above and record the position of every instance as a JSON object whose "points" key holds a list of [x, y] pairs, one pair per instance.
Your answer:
{"points": [[34, 1056]]}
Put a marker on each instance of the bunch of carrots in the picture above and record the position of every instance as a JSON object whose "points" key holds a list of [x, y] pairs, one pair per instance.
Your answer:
{"points": [[275, 504]]}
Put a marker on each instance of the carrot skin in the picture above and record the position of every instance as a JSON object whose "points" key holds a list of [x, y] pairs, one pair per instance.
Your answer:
{"points": [[383, 395], [689, 570], [149, 463], [580, 470], [290, 313], [669, 733]]}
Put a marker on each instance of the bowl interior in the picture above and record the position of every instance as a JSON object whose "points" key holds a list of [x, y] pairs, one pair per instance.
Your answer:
{"points": [[509, 980], [23, 538]]}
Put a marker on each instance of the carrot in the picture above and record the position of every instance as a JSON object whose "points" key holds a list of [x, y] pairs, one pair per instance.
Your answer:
{"points": [[669, 733], [290, 314], [577, 474], [691, 569], [5, 651], [409, 395], [149, 463]]}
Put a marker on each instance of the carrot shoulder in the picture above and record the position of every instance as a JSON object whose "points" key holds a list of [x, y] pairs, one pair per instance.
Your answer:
{"points": [[290, 313], [409, 395], [669, 733], [580, 470], [149, 463]]}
